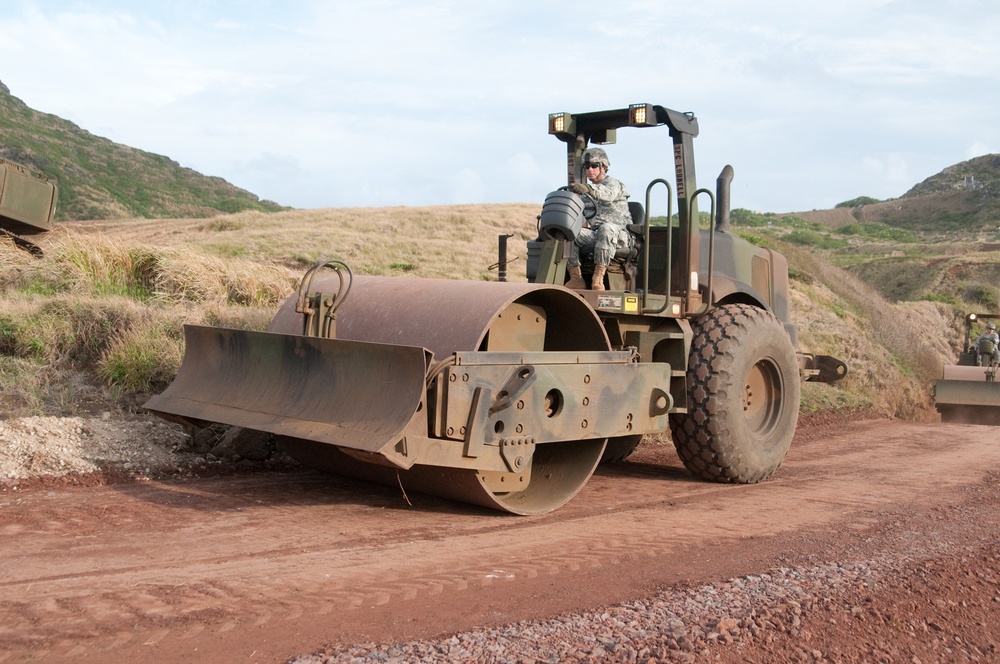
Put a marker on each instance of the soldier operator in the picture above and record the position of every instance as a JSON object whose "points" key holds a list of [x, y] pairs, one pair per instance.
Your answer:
{"points": [[988, 344], [607, 233]]}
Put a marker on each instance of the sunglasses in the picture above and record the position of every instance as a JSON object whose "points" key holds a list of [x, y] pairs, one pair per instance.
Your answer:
{"points": [[586, 166]]}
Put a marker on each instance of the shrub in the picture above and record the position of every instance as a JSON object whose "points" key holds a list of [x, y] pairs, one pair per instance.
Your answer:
{"points": [[744, 217], [143, 360], [224, 224], [878, 231], [8, 336], [982, 295], [99, 266], [858, 202], [814, 239]]}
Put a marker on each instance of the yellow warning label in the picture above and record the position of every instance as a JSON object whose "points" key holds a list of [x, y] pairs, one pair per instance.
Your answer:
{"points": [[632, 303]]}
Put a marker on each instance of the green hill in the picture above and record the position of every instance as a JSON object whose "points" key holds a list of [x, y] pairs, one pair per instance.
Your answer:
{"points": [[981, 174], [100, 179], [939, 242], [961, 199]]}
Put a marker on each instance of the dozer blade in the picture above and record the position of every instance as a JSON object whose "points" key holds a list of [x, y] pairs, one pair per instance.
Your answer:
{"points": [[350, 393]]}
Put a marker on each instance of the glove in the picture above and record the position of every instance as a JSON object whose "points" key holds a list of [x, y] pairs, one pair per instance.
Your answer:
{"points": [[581, 188]]}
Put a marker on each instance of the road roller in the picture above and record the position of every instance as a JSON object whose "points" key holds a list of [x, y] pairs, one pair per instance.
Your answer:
{"points": [[509, 395], [968, 392]]}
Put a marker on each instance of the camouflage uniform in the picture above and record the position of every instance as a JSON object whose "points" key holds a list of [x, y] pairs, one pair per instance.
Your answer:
{"points": [[607, 232]]}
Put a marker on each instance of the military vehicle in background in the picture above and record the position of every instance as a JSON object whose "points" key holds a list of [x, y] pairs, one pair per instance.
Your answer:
{"points": [[508, 395], [968, 392], [27, 204]]}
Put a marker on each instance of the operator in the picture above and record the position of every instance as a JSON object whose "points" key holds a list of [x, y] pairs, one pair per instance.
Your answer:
{"points": [[607, 233], [990, 335]]}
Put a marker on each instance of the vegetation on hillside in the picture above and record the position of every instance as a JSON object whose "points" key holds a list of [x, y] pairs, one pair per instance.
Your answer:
{"points": [[99, 179], [938, 243], [962, 198], [977, 174], [98, 319], [97, 322], [801, 231], [858, 202]]}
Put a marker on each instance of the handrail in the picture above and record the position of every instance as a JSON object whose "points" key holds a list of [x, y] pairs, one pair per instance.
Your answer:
{"points": [[646, 246], [711, 238]]}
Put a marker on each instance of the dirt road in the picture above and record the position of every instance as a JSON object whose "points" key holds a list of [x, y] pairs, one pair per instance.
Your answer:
{"points": [[265, 567]]}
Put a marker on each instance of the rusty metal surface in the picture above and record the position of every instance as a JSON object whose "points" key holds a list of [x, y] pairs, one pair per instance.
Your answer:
{"points": [[964, 373], [446, 316], [559, 471], [340, 392]]}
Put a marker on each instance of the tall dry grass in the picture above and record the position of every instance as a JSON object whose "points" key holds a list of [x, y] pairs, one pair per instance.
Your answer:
{"points": [[102, 312], [894, 352], [451, 242], [113, 310], [105, 307]]}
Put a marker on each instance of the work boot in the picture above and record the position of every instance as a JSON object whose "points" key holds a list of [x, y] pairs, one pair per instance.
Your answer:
{"points": [[597, 282], [575, 277]]}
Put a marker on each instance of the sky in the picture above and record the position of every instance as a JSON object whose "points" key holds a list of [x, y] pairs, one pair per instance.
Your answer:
{"points": [[339, 103]]}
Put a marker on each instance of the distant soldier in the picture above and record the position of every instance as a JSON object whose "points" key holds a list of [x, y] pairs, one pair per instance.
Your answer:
{"points": [[607, 233], [988, 344]]}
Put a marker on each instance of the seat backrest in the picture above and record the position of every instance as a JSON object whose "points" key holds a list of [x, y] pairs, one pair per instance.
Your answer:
{"points": [[638, 214]]}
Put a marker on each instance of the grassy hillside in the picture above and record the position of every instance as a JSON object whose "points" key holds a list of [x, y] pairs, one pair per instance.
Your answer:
{"points": [[99, 179], [962, 201], [939, 242], [961, 270], [97, 321]]}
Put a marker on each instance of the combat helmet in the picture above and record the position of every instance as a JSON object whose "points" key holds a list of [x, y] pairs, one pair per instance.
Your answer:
{"points": [[991, 326], [596, 156]]}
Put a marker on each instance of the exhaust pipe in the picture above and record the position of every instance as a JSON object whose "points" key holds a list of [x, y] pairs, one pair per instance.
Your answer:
{"points": [[722, 186]]}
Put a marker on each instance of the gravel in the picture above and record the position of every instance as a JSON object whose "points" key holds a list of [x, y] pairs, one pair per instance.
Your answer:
{"points": [[914, 592], [677, 625], [31, 447]]}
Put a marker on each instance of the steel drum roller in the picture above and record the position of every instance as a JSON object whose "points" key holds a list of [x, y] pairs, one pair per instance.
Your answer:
{"points": [[453, 316]]}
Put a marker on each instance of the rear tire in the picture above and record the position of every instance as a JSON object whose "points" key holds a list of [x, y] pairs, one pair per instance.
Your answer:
{"points": [[743, 396]]}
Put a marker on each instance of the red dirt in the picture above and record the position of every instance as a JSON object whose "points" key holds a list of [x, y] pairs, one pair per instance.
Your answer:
{"points": [[266, 566]]}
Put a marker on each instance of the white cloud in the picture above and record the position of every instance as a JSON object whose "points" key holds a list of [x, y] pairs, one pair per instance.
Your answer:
{"points": [[813, 104]]}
